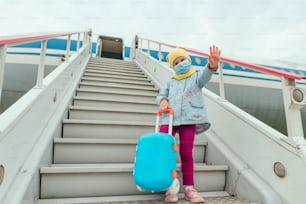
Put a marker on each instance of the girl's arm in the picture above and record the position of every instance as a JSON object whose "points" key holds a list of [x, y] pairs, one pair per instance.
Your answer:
{"points": [[162, 98], [163, 94], [213, 64], [204, 75]]}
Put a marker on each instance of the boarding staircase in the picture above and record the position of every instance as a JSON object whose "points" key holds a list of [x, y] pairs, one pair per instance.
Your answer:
{"points": [[93, 160]]}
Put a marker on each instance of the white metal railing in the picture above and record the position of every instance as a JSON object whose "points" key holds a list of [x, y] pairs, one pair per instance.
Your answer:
{"points": [[8, 41], [294, 97], [40, 84]]}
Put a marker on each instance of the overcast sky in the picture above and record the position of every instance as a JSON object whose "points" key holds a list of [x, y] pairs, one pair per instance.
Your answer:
{"points": [[244, 29]]}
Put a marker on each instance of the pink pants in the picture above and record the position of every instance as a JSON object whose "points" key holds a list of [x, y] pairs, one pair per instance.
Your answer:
{"points": [[187, 134]]}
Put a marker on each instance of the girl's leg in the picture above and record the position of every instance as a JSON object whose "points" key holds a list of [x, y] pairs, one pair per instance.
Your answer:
{"points": [[164, 128], [187, 134]]}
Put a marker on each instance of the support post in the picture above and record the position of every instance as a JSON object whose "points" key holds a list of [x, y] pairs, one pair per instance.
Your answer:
{"points": [[292, 113], [68, 48], [41, 66], [221, 81], [159, 52], [3, 49], [89, 34], [78, 43]]}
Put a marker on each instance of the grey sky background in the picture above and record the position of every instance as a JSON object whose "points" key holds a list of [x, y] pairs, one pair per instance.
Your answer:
{"points": [[253, 30]]}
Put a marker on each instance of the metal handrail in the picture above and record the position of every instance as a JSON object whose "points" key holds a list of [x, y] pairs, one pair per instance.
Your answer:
{"points": [[240, 63], [10, 40]]}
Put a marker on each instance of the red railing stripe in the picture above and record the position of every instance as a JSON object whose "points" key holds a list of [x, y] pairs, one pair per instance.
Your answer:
{"points": [[243, 64], [8, 40]]}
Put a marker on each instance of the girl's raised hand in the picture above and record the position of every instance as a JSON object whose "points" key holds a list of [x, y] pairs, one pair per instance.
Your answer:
{"points": [[214, 57]]}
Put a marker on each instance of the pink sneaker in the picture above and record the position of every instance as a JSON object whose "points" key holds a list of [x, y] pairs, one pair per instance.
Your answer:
{"points": [[193, 196], [171, 198]]}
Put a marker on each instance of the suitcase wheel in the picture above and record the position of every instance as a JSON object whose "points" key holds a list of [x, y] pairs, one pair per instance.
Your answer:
{"points": [[175, 186]]}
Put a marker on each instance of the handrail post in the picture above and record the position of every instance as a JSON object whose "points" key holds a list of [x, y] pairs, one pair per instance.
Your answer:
{"points": [[159, 52], [149, 48], [41, 66], [3, 49], [78, 43], [84, 38], [68, 47], [221, 81], [292, 112], [97, 48], [89, 34]]}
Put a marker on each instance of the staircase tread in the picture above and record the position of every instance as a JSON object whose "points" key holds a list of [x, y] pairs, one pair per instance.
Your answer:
{"points": [[95, 141], [119, 81], [106, 141], [116, 92], [112, 100], [116, 64], [115, 167], [119, 71], [116, 76], [101, 72], [124, 68], [111, 122], [114, 84], [113, 62], [130, 110], [130, 63]]}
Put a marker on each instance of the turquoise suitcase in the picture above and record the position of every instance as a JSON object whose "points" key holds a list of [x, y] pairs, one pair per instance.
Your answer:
{"points": [[155, 160]]}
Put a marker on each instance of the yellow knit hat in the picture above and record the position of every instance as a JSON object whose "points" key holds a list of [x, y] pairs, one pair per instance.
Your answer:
{"points": [[177, 52]]}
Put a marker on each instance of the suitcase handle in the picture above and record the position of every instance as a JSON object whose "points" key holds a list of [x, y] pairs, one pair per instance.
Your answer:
{"points": [[158, 114]]}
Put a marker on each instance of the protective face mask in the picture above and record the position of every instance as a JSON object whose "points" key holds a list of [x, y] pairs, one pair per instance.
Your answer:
{"points": [[182, 67]]}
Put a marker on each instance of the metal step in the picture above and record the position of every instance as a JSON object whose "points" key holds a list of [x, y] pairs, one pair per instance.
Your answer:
{"points": [[110, 61], [113, 63], [119, 62], [118, 81], [89, 180], [117, 87], [117, 84], [102, 72], [92, 113], [116, 95], [86, 151], [121, 69], [107, 103], [74, 128], [143, 79]]}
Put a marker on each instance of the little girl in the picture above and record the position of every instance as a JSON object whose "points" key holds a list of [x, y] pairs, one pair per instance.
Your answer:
{"points": [[183, 93]]}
